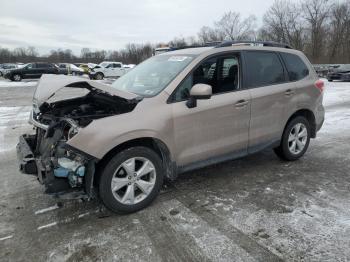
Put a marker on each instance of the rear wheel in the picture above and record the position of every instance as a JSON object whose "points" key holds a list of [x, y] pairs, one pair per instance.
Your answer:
{"points": [[99, 76], [131, 180], [295, 139], [17, 77]]}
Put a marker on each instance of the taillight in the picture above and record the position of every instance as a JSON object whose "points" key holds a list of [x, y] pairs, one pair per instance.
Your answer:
{"points": [[320, 85]]}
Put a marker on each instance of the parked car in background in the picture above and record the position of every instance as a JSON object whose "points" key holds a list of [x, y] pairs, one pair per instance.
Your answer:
{"points": [[108, 69], [31, 70], [129, 66], [340, 72], [4, 68], [161, 50], [69, 69], [175, 112], [85, 68], [321, 70]]}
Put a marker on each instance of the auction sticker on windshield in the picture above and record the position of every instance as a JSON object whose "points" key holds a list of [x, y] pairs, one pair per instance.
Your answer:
{"points": [[177, 58]]}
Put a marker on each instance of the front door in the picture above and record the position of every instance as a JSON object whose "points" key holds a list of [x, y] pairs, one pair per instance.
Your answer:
{"points": [[30, 71], [217, 127]]}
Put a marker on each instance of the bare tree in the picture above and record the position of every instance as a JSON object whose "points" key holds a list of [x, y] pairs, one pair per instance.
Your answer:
{"points": [[339, 33], [315, 13], [234, 28], [207, 34], [178, 42], [283, 23]]}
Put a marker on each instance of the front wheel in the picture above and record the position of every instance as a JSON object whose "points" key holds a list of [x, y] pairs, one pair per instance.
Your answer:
{"points": [[16, 77], [99, 76], [131, 180], [295, 139]]}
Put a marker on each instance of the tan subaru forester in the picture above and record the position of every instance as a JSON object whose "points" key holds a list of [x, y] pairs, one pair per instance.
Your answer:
{"points": [[175, 112]]}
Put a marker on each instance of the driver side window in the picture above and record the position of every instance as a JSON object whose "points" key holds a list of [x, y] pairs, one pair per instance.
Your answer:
{"points": [[221, 73]]}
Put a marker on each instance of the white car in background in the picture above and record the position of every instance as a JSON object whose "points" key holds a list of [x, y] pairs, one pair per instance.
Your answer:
{"points": [[109, 69]]}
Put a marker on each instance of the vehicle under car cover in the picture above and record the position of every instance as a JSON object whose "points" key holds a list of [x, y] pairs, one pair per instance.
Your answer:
{"points": [[48, 85]]}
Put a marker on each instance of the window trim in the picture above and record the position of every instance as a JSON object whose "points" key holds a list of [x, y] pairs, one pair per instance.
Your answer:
{"points": [[246, 74], [171, 99]]}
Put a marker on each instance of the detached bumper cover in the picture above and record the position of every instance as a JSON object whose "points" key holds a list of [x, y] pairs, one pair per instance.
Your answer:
{"points": [[25, 155]]}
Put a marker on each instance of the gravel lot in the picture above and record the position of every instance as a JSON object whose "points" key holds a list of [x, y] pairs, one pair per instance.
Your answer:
{"points": [[253, 209]]}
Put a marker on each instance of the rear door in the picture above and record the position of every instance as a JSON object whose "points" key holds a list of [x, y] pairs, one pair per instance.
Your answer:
{"points": [[30, 71], [42, 68], [273, 97], [216, 128], [118, 70], [108, 70]]}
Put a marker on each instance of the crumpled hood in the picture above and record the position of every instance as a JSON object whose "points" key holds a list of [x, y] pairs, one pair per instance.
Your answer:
{"points": [[48, 85]]}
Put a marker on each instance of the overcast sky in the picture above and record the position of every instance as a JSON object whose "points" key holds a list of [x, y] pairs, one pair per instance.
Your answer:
{"points": [[108, 24]]}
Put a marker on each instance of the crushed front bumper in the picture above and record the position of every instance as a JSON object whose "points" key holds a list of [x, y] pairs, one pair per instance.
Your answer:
{"points": [[28, 163], [31, 164]]}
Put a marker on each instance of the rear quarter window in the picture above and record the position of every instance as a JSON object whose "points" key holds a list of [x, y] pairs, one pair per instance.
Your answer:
{"points": [[295, 66], [263, 69]]}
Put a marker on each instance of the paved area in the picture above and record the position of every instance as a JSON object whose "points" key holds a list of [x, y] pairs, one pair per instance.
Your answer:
{"points": [[253, 209]]}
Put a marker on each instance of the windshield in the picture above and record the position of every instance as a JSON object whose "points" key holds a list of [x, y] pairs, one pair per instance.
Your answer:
{"points": [[344, 67], [104, 64], [153, 75]]}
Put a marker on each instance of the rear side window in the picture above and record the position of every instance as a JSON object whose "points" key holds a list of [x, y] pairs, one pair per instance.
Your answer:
{"points": [[42, 65], [263, 68], [295, 66]]}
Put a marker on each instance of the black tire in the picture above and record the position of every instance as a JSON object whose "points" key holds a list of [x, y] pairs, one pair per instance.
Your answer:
{"points": [[330, 80], [99, 76], [283, 150], [16, 78], [111, 167]]}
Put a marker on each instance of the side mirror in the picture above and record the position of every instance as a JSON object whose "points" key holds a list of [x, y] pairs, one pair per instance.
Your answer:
{"points": [[198, 91]]}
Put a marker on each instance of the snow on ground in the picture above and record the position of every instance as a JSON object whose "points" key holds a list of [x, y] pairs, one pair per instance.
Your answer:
{"points": [[336, 93], [17, 116], [7, 83], [336, 100]]}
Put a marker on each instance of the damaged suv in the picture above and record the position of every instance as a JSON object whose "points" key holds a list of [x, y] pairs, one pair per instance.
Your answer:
{"points": [[175, 112]]}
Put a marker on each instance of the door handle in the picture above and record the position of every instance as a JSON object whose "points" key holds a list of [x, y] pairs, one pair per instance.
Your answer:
{"points": [[241, 103], [289, 92]]}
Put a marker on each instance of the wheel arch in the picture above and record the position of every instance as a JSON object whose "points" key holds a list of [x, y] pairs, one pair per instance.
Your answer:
{"points": [[309, 115], [15, 73], [150, 142], [100, 73]]}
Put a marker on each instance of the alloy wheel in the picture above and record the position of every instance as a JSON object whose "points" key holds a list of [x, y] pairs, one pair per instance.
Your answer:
{"points": [[133, 180], [17, 77], [297, 138]]}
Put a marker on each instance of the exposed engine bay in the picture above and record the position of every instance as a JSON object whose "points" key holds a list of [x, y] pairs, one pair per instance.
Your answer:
{"points": [[46, 154]]}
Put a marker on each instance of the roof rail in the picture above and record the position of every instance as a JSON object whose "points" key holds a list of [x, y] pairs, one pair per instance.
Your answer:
{"points": [[254, 43]]}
